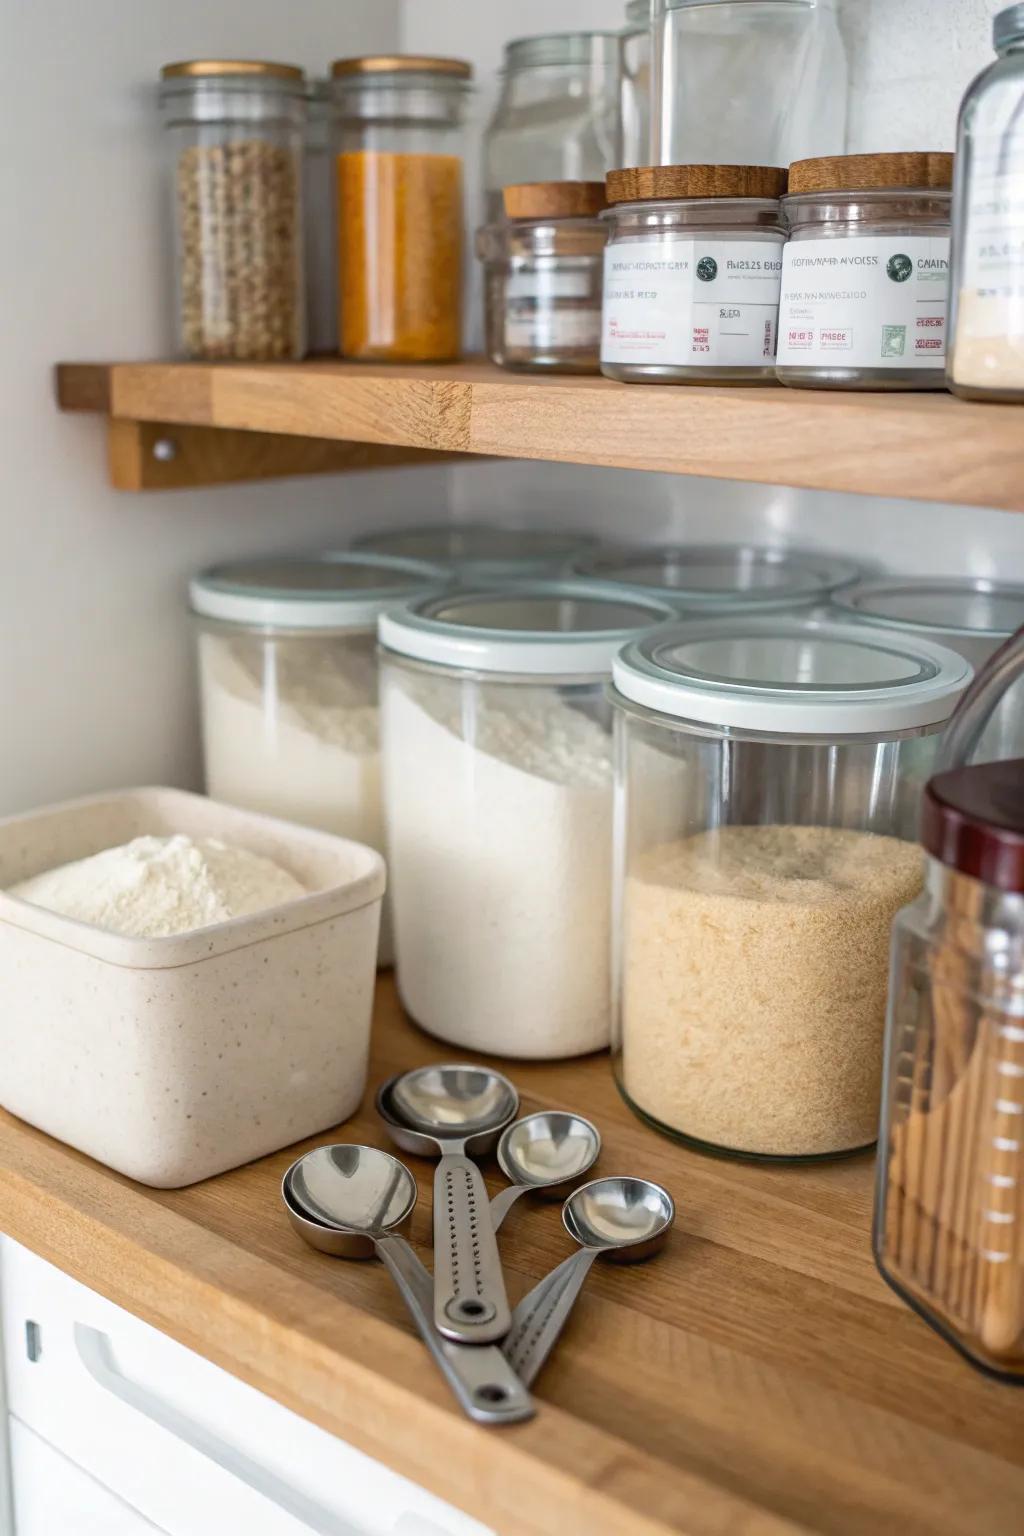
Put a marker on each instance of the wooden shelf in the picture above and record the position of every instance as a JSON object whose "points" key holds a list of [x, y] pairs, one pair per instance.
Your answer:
{"points": [[757, 1378], [927, 447]]}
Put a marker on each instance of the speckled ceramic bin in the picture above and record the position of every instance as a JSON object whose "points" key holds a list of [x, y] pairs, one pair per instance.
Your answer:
{"points": [[173, 1059]]}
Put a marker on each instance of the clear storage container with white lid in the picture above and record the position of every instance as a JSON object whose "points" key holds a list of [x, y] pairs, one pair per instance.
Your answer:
{"points": [[482, 553], [498, 797], [288, 685], [768, 775], [723, 578], [970, 614]]}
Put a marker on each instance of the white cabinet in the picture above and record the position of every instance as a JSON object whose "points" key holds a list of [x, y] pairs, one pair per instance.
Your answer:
{"points": [[194, 1450], [53, 1497]]}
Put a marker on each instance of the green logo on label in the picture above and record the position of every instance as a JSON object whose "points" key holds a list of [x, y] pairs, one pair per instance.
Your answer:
{"points": [[707, 269], [900, 268]]}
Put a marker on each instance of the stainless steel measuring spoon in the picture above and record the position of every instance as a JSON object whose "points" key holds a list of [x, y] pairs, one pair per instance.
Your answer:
{"points": [[626, 1220], [546, 1152], [354, 1201], [457, 1113]]}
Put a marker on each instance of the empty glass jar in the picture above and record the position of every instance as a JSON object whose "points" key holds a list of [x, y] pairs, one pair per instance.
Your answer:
{"points": [[749, 82], [557, 118], [319, 223], [398, 141], [636, 84], [542, 278], [236, 128], [949, 1219], [709, 580], [769, 774], [480, 553]]}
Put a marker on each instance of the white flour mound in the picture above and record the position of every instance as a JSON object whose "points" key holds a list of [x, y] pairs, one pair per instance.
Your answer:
{"points": [[156, 886]]}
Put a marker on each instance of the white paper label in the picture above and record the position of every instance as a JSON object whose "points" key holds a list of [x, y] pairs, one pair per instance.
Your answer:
{"points": [[551, 330], [691, 303], [539, 283], [877, 301]]}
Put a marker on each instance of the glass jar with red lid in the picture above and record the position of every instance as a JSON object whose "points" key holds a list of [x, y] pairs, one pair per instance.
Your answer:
{"points": [[949, 1221]]}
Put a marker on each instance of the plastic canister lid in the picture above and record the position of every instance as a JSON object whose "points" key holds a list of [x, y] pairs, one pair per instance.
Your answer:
{"points": [[950, 605], [1008, 27], [537, 628], [483, 553], [784, 676], [973, 820], [328, 591], [718, 579]]}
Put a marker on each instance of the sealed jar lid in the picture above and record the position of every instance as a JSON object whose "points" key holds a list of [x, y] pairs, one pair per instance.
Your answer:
{"points": [[945, 606], [206, 69], [330, 591], [1008, 27], [401, 64], [562, 48], [973, 820], [554, 200], [927, 170], [540, 628], [483, 552], [653, 183], [723, 578], [784, 676]]}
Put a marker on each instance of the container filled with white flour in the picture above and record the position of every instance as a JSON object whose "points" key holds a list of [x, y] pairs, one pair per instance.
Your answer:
{"points": [[288, 678], [498, 792], [186, 985], [769, 773]]}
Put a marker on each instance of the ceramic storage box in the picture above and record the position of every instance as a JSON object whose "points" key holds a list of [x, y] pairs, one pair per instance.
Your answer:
{"points": [[172, 1059]]}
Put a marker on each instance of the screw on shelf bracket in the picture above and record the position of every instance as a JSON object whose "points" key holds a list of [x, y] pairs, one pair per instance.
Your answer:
{"points": [[165, 449], [33, 1340]]}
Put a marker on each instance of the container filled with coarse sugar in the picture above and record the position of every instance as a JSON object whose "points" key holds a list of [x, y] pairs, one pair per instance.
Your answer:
{"points": [[497, 746], [542, 277], [712, 580], [866, 274], [769, 772], [691, 273], [236, 129], [288, 682]]}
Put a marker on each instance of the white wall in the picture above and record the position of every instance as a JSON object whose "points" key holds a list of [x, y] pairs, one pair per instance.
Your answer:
{"points": [[95, 662]]}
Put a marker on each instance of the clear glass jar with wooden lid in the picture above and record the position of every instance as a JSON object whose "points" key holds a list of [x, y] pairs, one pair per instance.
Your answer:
{"points": [[691, 273], [398, 155], [542, 278], [866, 274], [236, 129]]}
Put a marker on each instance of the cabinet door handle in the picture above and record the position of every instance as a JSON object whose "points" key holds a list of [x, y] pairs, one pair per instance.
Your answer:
{"points": [[97, 1356]]}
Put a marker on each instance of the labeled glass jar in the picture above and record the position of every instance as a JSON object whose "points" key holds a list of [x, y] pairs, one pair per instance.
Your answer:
{"points": [[635, 97], [971, 615], [711, 580], [743, 80], [768, 774], [320, 224], [236, 132], [866, 273], [691, 274], [986, 310], [557, 118], [288, 685], [542, 278], [498, 800], [398, 143], [483, 553]]}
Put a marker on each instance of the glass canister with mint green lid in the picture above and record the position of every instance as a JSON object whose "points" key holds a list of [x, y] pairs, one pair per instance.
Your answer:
{"points": [[712, 580], [866, 275], [986, 357], [691, 274]]}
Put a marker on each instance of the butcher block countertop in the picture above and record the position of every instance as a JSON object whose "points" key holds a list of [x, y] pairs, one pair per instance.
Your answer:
{"points": [[756, 1378]]}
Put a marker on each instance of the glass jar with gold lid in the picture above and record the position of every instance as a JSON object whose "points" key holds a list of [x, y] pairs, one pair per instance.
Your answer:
{"points": [[236, 130]]}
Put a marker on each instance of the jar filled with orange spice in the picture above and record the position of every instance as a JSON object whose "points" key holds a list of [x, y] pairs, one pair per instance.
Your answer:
{"points": [[398, 149]]}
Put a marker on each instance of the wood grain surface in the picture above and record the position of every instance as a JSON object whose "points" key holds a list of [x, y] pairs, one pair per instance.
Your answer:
{"points": [[920, 446], [755, 1379]]}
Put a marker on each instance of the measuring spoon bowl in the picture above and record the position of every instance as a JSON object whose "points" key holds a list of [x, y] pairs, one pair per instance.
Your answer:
{"points": [[340, 1198], [454, 1102], [626, 1219], [421, 1143], [548, 1151]]}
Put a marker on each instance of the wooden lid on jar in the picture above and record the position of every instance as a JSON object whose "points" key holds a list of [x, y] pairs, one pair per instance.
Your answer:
{"points": [[873, 173], [650, 183], [554, 200]]}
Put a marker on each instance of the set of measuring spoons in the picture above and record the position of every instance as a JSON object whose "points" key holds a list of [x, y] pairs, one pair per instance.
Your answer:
{"points": [[353, 1201]]}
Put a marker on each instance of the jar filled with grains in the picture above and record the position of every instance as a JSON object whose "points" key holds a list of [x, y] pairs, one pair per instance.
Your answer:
{"points": [[542, 278], [398, 160], [236, 127], [768, 773]]}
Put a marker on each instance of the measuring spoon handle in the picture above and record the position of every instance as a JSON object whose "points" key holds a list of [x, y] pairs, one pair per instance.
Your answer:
{"points": [[541, 1315], [486, 1386], [503, 1202], [470, 1305]]}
